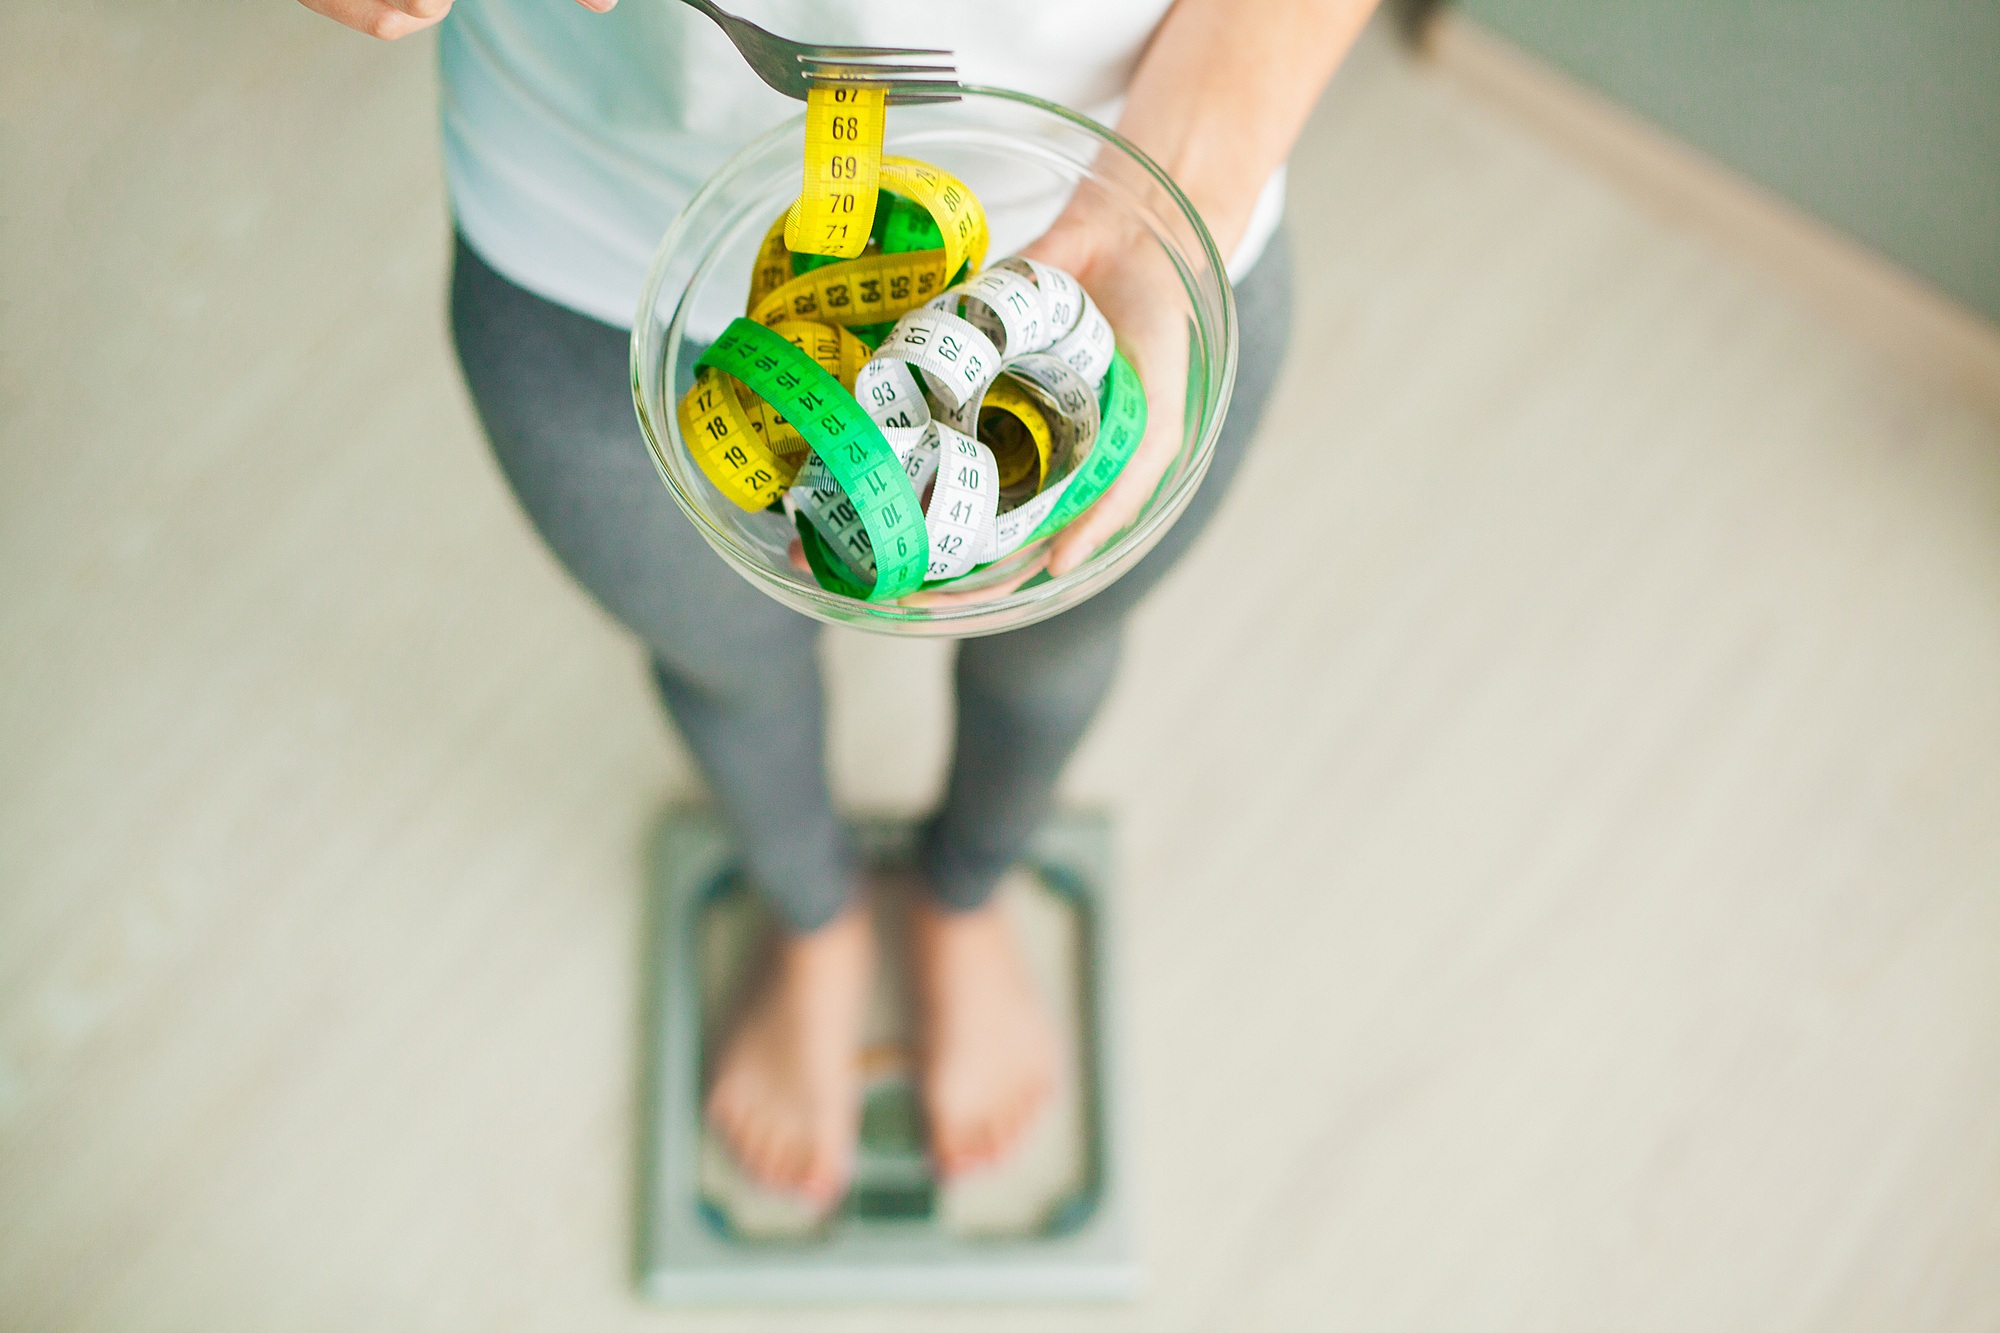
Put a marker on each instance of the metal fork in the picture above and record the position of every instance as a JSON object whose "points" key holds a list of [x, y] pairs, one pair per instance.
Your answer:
{"points": [[793, 67]]}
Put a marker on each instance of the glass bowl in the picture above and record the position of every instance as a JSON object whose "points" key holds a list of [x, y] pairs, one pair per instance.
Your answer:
{"points": [[1024, 158]]}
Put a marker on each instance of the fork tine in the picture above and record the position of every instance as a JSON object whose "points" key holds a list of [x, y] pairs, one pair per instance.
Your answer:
{"points": [[866, 52], [903, 94], [922, 99], [849, 73], [837, 66]]}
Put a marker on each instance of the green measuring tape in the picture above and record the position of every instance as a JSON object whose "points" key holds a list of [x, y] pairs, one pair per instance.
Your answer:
{"points": [[1122, 425], [832, 575], [847, 442]]}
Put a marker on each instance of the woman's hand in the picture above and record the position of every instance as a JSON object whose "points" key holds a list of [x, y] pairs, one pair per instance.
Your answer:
{"points": [[1134, 284], [390, 19]]}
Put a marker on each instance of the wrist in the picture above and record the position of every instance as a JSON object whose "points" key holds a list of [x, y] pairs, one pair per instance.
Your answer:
{"points": [[1226, 217], [1223, 181]]}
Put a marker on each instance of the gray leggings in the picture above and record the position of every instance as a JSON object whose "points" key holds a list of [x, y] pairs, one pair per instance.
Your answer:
{"points": [[739, 672]]}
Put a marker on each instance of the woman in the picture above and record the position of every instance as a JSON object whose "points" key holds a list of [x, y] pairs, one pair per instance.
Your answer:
{"points": [[571, 140]]}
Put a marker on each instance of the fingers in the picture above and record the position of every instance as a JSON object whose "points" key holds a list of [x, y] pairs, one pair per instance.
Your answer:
{"points": [[796, 552], [380, 18], [1118, 506], [936, 599], [1088, 230], [390, 19], [797, 555], [1092, 528], [1122, 503]]}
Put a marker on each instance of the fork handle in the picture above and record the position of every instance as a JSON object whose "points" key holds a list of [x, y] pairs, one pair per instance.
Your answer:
{"points": [[708, 7]]}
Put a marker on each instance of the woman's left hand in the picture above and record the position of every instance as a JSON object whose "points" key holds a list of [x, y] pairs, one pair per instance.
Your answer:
{"points": [[1130, 278]]}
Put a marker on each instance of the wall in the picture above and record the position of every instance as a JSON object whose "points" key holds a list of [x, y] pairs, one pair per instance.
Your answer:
{"points": [[1882, 119]]}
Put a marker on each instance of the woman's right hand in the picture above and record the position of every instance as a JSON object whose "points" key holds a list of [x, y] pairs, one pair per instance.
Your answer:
{"points": [[390, 19]]}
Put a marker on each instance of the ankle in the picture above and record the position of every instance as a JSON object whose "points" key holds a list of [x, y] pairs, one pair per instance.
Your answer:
{"points": [[946, 919], [838, 931]]}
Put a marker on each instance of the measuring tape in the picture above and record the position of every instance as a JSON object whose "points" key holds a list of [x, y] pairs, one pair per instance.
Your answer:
{"points": [[1099, 441], [961, 473], [728, 449], [877, 288], [957, 360], [838, 352], [1122, 426], [843, 441], [836, 208], [740, 441], [914, 431], [1020, 434]]}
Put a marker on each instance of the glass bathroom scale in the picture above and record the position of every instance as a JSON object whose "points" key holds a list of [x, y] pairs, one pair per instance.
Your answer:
{"points": [[1051, 1223]]}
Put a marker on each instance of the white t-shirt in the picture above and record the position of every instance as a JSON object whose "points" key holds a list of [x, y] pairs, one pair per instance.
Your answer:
{"points": [[572, 139]]}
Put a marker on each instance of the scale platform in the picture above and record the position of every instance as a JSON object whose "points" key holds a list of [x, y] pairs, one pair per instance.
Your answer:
{"points": [[1052, 1223]]}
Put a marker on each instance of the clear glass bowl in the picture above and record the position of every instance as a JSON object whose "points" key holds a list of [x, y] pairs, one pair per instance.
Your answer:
{"points": [[1023, 157]]}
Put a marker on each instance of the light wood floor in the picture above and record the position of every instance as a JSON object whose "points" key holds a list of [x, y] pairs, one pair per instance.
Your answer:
{"points": [[1563, 855]]}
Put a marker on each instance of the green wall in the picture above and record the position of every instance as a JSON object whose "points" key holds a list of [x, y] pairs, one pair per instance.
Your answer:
{"points": [[1881, 117]]}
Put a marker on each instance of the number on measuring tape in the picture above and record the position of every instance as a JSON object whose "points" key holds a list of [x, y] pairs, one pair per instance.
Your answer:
{"points": [[843, 168], [849, 446], [956, 359]]}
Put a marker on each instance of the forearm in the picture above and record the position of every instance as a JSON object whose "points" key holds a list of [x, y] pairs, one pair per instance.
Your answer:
{"points": [[1223, 90]]}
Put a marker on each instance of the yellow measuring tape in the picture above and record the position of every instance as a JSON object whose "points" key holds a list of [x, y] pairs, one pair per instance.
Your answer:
{"points": [[739, 441], [729, 450], [1018, 432], [836, 209], [874, 288]]}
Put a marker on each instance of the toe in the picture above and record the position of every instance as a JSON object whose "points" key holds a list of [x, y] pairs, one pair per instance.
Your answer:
{"points": [[823, 1169], [734, 1127], [968, 1138], [725, 1114], [748, 1144], [947, 1145], [764, 1155], [1033, 1098], [979, 1142], [789, 1161], [818, 1180], [1007, 1127]]}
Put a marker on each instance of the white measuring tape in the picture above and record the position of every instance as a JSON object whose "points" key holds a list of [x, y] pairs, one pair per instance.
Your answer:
{"points": [[1022, 325]]}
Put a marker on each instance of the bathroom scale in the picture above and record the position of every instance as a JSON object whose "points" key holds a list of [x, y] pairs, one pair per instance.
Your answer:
{"points": [[1051, 1223]]}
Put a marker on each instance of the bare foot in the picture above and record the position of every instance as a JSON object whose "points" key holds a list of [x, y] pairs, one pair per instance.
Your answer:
{"points": [[989, 1052], [787, 1094]]}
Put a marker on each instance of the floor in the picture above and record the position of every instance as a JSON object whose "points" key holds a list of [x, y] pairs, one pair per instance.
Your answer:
{"points": [[1562, 861]]}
